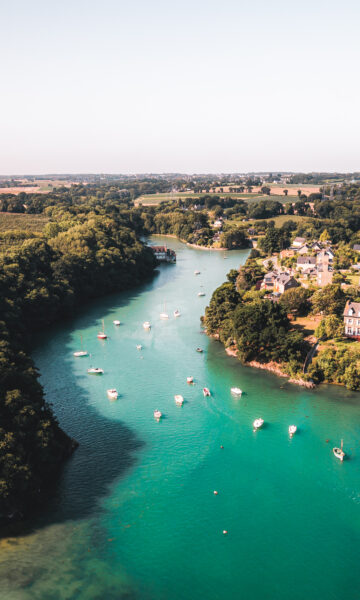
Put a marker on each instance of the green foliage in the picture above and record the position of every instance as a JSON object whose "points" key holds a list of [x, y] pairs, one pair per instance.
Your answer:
{"points": [[330, 327], [234, 237], [249, 275], [275, 240], [296, 300], [329, 300], [262, 332], [337, 366]]}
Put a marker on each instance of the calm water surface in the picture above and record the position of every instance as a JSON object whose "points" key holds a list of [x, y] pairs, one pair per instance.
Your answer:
{"points": [[134, 515]]}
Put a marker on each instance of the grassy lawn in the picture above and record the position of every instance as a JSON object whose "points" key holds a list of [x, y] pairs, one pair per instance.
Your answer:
{"points": [[278, 220], [307, 324], [151, 199], [22, 222]]}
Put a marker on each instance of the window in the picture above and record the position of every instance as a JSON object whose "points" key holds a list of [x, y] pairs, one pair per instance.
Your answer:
{"points": [[350, 321], [349, 331]]}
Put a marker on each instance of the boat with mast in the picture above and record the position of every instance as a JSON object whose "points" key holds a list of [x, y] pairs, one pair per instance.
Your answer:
{"points": [[164, 314], [81, 352], [339, 452], [102, 335], [292, 430]]}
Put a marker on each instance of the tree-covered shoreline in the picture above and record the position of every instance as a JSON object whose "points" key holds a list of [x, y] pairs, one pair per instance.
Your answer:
{"points": [[81, 255]]}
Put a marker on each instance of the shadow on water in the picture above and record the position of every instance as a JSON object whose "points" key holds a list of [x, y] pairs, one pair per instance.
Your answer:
{"points": [[107, 449]]}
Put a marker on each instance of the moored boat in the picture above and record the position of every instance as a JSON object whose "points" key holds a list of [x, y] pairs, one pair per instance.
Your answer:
{"points": [[138, 346], [81, 352], [116, 322], [292, 430], [339, 452], [95, 371], [190, 379], [164, 314], [177, 313], [201, 293], [196, 272], [112, 394], [179, 400], [102, 335], [258, 423], [206, 391], [236, 391], [198, 349], [157, 414], [147, 325]]}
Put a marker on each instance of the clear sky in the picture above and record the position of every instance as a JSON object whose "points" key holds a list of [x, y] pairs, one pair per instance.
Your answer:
{"points": [[122, 86]]}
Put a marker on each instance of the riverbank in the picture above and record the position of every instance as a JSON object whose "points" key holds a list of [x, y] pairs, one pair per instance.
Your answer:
{"points": [[272, 367], [196, 246]]}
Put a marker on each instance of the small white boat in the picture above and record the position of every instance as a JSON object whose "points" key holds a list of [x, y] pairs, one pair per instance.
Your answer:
{"points": [[190, 379], [112, 394], [138, 346], [196, 272], [177, 313], [258, 423], [339, 452], [201, 293], [164, 314], [147, 325], [81, 352], [236, 391], [157, 414], [292, 430], [102, 335], [179, 400], [117, 323], [95, 371], [206, 392], [199, 350]]}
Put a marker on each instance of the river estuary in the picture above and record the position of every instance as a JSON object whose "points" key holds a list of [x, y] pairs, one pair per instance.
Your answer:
{"points": [[135, 516]]}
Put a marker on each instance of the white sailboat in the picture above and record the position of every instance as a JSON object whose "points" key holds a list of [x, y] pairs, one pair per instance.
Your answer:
{"points": [[164, 314], [102, 335], [112, 394], [177, 313], [258, 423], [81, 352], [339, 452], [157, 414], [147, 325], [190, 379], [196, 272], [201, 293], [116, 322], [179, 400], [292, 430]]}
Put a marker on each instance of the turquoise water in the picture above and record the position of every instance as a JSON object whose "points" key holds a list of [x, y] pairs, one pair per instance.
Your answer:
{"points": [[134, 515]]}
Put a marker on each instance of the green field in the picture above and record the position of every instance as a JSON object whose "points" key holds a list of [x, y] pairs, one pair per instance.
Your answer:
{"points": [[22, 222], [153, 199], [279, 220]]}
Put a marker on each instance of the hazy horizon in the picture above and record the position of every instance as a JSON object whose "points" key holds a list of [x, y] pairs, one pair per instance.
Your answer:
{"points": [[190, 87]]}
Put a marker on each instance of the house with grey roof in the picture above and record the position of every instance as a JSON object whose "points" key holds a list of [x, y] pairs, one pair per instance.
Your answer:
{"points": [[284, 282], [305, 262], [352, 320]]}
